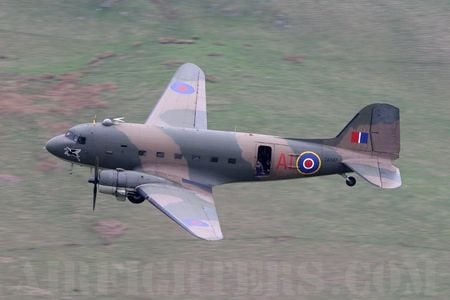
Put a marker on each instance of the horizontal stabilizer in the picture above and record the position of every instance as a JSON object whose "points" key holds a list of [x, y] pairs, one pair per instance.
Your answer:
{"points": [[377, 171]]}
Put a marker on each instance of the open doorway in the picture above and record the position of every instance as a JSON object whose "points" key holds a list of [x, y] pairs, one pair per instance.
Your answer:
{"points": [[263, 160]]}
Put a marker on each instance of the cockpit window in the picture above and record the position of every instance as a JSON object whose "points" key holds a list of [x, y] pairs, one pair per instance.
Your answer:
{"points": [[76, 138], [70, 135], [81, 140]]}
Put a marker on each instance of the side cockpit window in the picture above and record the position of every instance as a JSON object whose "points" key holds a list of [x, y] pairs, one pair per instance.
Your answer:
{"points": [[81, 140]]}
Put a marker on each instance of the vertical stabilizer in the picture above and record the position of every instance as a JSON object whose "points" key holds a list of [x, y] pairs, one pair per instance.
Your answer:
{"points": [[376, 128], [370, 142]]}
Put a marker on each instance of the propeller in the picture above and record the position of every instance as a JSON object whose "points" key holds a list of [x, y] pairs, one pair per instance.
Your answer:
{"points": [[95, 182]]}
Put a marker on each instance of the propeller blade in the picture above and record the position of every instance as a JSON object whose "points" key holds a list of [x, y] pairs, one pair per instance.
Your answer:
{"points": [[94, 199]]}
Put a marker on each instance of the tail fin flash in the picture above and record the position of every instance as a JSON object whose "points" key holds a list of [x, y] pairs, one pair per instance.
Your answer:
{"points": [[376, 128], [373, 138]]}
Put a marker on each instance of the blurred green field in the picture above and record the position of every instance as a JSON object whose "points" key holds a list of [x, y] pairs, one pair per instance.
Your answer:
{"points": [[310, 239]]}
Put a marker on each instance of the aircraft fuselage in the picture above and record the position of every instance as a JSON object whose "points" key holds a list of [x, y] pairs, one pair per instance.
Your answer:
{"points": [[206, 156]]}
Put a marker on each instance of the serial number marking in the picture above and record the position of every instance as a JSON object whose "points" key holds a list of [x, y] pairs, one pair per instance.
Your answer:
{"points": [[331, 159]]}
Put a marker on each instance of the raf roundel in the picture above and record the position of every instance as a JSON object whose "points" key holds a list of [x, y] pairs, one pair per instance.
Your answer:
{"points": [[308, 163], [182, 88], [195, 222]]}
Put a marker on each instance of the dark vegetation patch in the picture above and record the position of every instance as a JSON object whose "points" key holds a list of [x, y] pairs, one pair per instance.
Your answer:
{"points": [[211, 78], [215, 54], [172, 64], [108, 3], [101, 56], [176, 41], [297, 59], [282, 238], [43, 77]]}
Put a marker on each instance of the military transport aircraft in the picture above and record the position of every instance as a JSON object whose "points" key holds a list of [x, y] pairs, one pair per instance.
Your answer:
{"points": [[173, 160]]}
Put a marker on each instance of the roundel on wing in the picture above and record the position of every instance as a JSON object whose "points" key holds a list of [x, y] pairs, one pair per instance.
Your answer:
{"points": [[308, 163], [182, 88]]}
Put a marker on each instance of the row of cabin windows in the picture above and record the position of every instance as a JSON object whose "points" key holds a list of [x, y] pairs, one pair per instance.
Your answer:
{"points": [[213, 159]]}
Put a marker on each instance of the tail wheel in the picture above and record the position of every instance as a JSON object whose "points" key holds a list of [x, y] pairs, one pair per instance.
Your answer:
{"points": [[350, 181], [135, 199]]}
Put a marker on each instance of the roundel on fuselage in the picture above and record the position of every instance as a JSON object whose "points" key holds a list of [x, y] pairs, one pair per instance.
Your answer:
{"points": [[308, 163]]}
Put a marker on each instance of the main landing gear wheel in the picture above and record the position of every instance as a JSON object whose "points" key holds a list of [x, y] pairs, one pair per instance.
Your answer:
{"points": [[350, 181], [135, 199]]}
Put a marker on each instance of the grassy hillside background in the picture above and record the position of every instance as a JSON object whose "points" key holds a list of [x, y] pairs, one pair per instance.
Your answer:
{"points": [[291, 68]]}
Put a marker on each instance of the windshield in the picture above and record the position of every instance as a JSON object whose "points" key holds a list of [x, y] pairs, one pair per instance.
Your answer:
{"points": [[76, 138]]}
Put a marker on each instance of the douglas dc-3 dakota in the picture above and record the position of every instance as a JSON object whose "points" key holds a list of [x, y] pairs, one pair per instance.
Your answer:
{"points": [[173, 160]]}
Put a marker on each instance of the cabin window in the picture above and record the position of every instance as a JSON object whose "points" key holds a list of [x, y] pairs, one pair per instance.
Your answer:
{"points": [[214, 159], [195, 157], [124, 146], [142, 152], [232, 161], [178, 156], [160, 154]]}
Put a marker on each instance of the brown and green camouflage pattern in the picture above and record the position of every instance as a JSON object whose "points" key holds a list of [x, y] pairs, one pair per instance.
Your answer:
{"points": [[181, 160]]}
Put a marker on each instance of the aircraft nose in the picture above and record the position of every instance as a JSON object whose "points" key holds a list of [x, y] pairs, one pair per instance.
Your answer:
{"points": [[54, 145]]}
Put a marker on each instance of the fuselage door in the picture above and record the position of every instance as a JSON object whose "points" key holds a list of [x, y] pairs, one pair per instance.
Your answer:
{"points": [[263, 163]]}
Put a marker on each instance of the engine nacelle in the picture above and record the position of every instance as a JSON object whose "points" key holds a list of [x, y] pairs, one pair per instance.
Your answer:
{"points": [[122, 184], [120, 193], [126, 179]]}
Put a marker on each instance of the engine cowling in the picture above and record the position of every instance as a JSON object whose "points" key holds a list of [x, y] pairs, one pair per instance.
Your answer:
{"points": [[122, 183]]}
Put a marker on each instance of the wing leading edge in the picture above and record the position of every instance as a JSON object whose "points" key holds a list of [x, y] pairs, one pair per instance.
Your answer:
{"points": [[193, 210], [183, 103]]}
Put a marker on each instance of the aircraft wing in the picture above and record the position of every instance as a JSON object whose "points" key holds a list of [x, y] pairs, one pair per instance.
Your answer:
{"points": [[183, 103], [377, 171], [193, 210]]}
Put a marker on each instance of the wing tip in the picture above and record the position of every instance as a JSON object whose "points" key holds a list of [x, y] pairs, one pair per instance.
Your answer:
{"points": [[216, 235], [215, 238], [190, 72]]}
